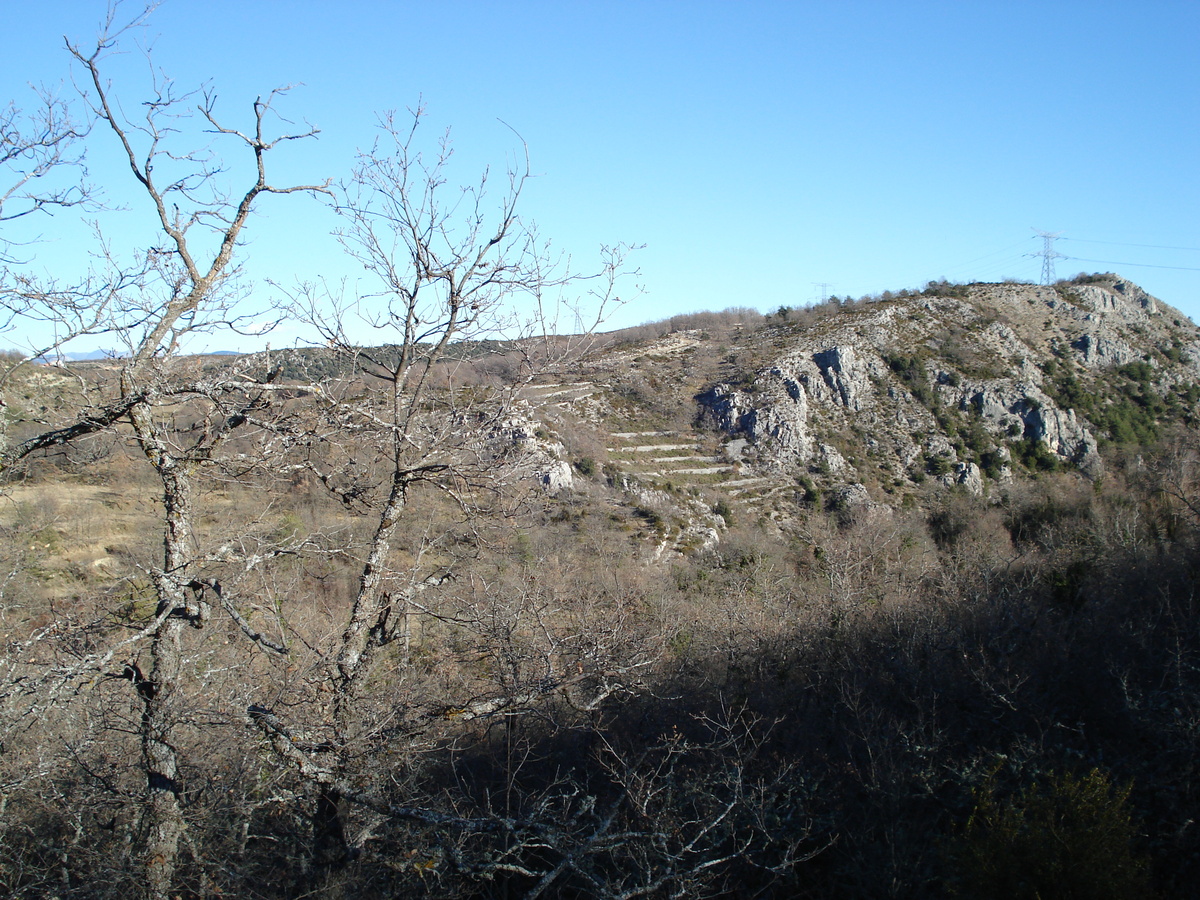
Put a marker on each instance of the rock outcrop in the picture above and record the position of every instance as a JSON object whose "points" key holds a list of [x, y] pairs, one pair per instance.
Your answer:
{"points": [[862, 407], [900, 374], [531, 451]]}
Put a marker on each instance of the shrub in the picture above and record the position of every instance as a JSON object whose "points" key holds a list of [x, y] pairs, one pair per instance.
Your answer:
{"points": [[812, 493], [911, 371], [652, 517], [1047, 516], [1093, 278], [944, 288], [952, 519], [1139, 371], [1066, 837], [1036, 455], [937, 464]]}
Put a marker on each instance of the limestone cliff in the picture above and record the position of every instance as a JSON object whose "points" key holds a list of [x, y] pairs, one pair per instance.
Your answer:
{"points": [[952, 380], [865, 405]]}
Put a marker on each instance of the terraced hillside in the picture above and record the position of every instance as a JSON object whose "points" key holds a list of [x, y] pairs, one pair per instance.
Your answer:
{"points": [[875, 404]]}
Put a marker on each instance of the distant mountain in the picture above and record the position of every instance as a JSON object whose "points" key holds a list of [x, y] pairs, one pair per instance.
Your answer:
{"points": [[110, 354], [79, 356]]}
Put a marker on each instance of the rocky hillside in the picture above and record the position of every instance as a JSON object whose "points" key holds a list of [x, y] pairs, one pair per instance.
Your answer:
{"points": [[894, 624], [677, 430], [873, 403]]}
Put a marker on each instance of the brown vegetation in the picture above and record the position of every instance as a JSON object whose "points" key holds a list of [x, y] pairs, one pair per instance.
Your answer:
{"points": [[836, 716], [307, 624]]}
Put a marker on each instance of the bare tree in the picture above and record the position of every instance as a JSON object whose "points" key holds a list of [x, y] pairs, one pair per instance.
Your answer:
{"points": [[438, 647], [37, 149], [402, 414], [179, 419], [41, 161], [455, 271]]}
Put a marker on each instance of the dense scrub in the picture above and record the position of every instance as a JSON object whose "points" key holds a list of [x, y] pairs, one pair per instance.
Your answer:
{"points": [[907, 704]]}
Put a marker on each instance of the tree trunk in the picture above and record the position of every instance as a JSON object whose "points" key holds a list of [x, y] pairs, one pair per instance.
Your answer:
{"points": [[163, 822], [163, 815], [329, 851]]}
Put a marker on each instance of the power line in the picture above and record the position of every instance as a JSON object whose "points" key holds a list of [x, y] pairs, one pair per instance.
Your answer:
{"points": [[1119, 244], [987, 256], [1109, 262]]}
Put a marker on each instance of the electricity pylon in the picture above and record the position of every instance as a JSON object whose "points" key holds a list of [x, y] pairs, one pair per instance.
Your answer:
{"points": [[1048, 254]]}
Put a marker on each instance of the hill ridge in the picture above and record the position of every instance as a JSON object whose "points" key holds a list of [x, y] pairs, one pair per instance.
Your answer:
{"points": [[873, 403]]}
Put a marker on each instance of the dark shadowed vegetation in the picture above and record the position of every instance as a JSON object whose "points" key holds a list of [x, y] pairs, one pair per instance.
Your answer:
{"points": [[984, 700], [436, 614]]}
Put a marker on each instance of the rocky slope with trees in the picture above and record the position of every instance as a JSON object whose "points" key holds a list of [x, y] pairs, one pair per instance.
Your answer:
{"points": [[893, 597], [876, 401], [886, 596]]}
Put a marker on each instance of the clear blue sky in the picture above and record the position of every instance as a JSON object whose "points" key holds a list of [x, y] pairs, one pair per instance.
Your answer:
{"points": [[759, 150]]}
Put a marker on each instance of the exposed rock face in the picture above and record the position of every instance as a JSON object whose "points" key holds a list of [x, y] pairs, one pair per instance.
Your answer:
{"points": [[1102, 348], [1058, 428], [890, 373], [850, 497], [682, 524], [846, 375], [874, 404], [1119, 301], [1007, 405], [532, 454], [776, 414], [966, 475], [554, 475]]}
